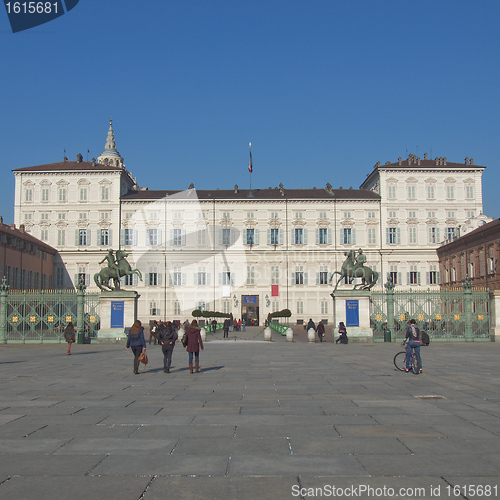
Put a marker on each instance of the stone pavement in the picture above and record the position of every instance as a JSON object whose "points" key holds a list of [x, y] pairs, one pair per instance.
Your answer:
{"points": [[262, 420]]}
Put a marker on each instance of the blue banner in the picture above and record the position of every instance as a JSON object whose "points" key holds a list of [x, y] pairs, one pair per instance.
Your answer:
{"points": [[250, 299], [117, 310], [352, 313]]}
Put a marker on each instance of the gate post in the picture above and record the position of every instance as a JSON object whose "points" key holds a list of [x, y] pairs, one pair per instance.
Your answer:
{"points": [[80, 311], [4, 292], [467, 286], [389, 287]]}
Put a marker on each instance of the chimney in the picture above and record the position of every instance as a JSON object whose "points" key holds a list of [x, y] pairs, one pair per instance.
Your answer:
{"points": [[236, 188], [21, 228], [471, 162], [13, 226], [1, 219], [425, 156], [399, 160], [79, 158]]}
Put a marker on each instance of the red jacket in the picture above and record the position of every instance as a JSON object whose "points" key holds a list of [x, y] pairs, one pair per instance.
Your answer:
{"points": [[194, 339]]}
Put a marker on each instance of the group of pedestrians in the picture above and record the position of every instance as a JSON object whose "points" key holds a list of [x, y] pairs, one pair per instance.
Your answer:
{"points": [[320, 330], [166, 334]]}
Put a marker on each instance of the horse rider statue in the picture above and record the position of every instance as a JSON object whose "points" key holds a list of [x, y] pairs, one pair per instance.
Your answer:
{"points": [[114, 270], [354, 267]]}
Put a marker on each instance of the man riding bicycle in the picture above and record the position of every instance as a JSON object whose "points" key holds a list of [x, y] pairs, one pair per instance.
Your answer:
{"points": [[412, 340]]}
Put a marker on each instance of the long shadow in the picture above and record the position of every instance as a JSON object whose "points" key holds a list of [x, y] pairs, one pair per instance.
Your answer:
{"points": [[9, 362], [185, 369]]}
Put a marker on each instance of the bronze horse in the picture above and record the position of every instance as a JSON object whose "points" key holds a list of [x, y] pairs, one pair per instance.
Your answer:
{"points": [[123, 268], [350, 269]]}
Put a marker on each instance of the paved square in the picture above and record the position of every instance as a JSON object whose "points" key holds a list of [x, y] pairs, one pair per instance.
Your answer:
{"points": [[262, 420]]}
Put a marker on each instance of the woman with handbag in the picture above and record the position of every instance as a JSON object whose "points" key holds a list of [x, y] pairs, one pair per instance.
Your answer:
{"points": [[70, 336], [193, 345], [167, 336], [137, 342]]}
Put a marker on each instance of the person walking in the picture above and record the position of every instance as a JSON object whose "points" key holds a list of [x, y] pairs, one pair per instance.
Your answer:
{"points": [[235, 325], [214, 325], [70, 336], [152, 333], [311, 325], [136, 341], [194, 343], [321, 331], [227, 322], [412, 340], [167, 336]]}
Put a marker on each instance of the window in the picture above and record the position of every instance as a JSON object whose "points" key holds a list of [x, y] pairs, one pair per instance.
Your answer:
{"points": [[393, 214], [154, 276], [433, 275], [201, 237], [103, 215], [347, 215], [393, 235], [82, 237], [471, 269], [104, 239], [201, 215], [274, 236], [323, 275], [128, 236], [300, 307], [471, 214], [273, 215], [225, 278], [322, 215], [104, 193], [250, 236], [45, 194], [299, 276], [61, 215], [177, 308], [298, 215], [178, 237], [413, 276], [61, 194], [44, 234], [391, 192], [44, 215], [450, 214], [128, 280], [226, 307], [469, 192], [153, 310], [82, 215], [201, 276], [59, 277], [27, 216], [226, 236], [450, 233], [226, 215], [176, 279], [251, 275], [82, 275], [450, 192], [412, 235], [394, 275], [347, 236], [298, 236], [372, 236], [129, 215], [491, 261], [431, 215], [61, 237], [323, 236], [250, 215], [152, 235], [412, 214], [83, 194], [201, 306], [28, 195], [371, 214], [175, 215], [324, 307], [433, 235], [275, 306], [430, 192], [275, 275], [412, 190]]}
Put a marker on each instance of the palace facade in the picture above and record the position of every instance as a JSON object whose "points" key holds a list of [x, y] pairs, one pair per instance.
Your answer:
{"points": [[246, 252]]}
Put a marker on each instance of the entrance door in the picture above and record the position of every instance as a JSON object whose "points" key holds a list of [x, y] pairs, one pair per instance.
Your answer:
{"points": [[250, 309]]}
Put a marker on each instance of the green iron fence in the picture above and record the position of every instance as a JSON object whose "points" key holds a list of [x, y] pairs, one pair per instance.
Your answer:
{"points": [[40, 317], [446, 315]]}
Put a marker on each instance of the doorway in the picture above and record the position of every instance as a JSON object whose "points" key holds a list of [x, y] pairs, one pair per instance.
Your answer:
{"points": [[250, 309]]}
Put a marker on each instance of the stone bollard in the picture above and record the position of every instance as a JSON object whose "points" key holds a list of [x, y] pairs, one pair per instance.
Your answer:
{"points": [[289, 335], [311, 334], [203, 334], [267, 334]]}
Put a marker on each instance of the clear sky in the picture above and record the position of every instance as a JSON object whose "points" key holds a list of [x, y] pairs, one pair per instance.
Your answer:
{"points": [[322, 88]]}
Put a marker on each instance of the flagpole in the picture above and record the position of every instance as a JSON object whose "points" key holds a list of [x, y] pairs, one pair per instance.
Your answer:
{"points": [[250, 166]]}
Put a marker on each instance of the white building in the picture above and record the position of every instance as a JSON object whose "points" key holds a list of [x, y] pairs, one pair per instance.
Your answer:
{"points": [[249, 253]]}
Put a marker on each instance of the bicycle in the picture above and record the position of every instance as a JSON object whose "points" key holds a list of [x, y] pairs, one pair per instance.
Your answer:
{"points": [[400, 361]]}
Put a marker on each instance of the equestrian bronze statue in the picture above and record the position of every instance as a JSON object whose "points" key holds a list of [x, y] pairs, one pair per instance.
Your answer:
{"points": [[354, 267], [114, 271]]}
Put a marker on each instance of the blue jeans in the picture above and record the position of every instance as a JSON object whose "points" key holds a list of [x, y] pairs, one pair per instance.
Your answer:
{"points": [[196, 357], [416, 345]]}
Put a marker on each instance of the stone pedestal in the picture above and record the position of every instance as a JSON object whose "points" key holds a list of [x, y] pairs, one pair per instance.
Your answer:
{"points": [[118, 312], [353, 308]]}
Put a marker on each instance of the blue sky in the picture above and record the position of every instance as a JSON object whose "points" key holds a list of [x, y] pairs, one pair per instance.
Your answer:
{"points": [[322, 89]]}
